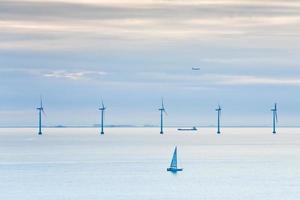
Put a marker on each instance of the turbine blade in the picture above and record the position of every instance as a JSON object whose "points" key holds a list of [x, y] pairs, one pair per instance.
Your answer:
{"points": [[44, 113], [102, 104], [41, 101], [165, 112]]}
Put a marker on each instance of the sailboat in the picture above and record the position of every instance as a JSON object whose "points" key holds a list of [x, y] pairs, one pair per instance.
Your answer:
{"points": [[173, 167]]}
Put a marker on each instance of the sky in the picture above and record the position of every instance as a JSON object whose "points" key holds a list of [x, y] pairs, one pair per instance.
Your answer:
{"points": [[131, 53]]}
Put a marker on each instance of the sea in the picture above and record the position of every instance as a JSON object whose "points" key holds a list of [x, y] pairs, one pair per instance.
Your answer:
{"points": [[131, 163]]}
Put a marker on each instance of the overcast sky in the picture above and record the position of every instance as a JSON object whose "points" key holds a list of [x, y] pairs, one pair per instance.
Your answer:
{"points": [[133, 52]]}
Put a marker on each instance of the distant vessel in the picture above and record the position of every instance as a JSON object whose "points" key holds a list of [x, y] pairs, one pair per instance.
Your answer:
{"points": [[188, 129], [173, 167], [196, 68]]}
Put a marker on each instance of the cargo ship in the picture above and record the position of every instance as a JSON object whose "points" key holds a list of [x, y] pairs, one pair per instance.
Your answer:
{"points": [[188, 129]]}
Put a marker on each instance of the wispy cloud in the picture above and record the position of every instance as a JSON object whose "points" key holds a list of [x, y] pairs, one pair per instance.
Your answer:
{"points": [[69, 22], [253, 80], [238, 80], [210, 79], [74, 75]]}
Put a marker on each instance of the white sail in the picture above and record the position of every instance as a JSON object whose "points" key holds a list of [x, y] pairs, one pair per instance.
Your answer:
{"points": [[174, 159]]}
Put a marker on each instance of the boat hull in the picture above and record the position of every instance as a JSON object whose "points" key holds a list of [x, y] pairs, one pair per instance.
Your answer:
{"points": [[174, 170]]}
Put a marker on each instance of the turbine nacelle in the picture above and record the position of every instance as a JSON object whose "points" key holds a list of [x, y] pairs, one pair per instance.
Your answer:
{"points": [[163, 110], [219, 108], [275, 107]]}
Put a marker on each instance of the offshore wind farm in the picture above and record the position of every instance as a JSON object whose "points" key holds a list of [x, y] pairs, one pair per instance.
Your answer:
{"points": [[198, 99], [162, 112]]}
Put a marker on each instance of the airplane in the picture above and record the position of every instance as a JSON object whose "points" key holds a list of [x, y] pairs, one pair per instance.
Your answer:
{"points": [[195, 68]]}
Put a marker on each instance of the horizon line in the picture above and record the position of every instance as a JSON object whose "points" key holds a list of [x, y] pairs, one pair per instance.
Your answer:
{"points": [[151, 126]]}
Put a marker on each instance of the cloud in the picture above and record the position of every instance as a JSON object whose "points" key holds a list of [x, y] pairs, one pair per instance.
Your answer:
{"points": [[163, 79], [211, 80], [253, 80], [155, 10], [88, 24], [240, 80], [74, 75]]}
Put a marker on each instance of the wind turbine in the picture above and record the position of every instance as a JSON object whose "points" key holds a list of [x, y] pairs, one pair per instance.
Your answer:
{"points": [[275, 118], [102, 108], [162, 111], [41, 110], [219, 116]]}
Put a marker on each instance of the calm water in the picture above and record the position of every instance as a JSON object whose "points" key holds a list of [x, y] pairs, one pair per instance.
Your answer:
{"points": [[130, 164]]}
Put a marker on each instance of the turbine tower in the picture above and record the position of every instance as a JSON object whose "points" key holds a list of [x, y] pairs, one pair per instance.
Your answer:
{"points": [[219, 116], [102, 109], [162, 111], [275, 118], [41, 110]]}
